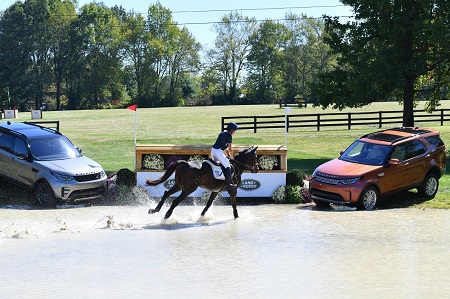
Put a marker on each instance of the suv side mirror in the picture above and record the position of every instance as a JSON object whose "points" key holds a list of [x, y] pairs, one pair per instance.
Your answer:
{"points": [[394, 161], [79, 149], [24, 157]]}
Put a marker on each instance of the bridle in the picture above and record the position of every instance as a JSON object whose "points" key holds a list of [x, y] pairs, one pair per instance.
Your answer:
{"points": [[253, 168]]}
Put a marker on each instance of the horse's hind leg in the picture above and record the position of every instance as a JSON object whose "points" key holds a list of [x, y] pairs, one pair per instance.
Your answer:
{"points": [[176, 201], [233, 193], [166, 194], [209, 202]]}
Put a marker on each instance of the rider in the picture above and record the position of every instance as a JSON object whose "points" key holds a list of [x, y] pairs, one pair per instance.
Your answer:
{"points": [[223, 144]]}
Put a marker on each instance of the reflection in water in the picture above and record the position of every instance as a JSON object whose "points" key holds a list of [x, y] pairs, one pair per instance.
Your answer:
{"points": [[271, 251]]}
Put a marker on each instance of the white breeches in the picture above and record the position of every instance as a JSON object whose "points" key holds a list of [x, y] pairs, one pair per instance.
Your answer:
{"points": [[219, 155]]}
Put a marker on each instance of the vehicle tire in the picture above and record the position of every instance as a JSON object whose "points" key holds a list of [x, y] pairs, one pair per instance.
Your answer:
{"points": [[430, 186], [369, 198], [321, 204], [44, 195]]}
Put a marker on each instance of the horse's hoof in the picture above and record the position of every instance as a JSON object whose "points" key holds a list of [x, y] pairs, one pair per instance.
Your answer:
{"points": [[152, 211]]}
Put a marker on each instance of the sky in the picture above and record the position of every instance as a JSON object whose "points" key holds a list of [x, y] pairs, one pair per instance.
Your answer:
{"points": [[196, 14]]}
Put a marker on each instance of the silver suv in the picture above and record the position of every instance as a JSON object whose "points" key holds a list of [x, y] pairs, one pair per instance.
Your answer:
{"points": [[45, 161]]}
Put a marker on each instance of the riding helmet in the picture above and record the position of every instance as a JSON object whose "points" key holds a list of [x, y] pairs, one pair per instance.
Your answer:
{"points": [[232, 126]]}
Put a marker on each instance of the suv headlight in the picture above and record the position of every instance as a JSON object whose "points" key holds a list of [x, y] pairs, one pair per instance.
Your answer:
{"points": [[62, 177], [349, 181]]}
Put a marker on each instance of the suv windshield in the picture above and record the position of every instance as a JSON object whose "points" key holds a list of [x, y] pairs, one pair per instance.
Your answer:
{"points": [[54, 148], [366, 153]]}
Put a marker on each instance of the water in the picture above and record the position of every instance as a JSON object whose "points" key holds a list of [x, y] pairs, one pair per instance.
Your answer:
{"points": [[271, 251]]}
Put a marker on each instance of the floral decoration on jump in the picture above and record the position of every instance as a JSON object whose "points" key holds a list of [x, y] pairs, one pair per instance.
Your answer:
{"points": [[268, 162], [152, 161]]}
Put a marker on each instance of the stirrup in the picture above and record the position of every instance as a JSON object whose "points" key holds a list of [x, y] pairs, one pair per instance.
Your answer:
{"points": [[229, 186]]}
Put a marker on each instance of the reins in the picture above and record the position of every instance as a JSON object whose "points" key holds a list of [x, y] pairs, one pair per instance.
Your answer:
{"points": [[246, 166]]}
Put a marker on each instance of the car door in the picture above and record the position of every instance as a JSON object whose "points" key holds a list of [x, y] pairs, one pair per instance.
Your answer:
{"points": [[415, 163], [21, 163], [408, 172], [6, 155]]}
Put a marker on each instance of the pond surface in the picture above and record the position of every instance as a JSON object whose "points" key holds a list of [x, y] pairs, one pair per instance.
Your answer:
{"points": [[271, 251]]}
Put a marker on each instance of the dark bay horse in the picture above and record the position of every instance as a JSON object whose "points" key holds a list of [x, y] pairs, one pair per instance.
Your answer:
{"points": [[191, 175]]}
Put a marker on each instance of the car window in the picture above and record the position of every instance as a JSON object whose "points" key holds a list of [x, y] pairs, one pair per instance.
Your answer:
{"points": [[7, 143], [399, 152], [408, 150], [55, 148], [414, 148], [20, 148], [435, 140], [355, 149], [366, 153]]}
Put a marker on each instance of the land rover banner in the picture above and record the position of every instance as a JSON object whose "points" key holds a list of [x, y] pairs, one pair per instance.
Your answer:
{"points": [[252, 185]]}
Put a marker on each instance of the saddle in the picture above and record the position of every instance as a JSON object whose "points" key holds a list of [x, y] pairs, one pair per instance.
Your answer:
{"points": [[218, 169]]}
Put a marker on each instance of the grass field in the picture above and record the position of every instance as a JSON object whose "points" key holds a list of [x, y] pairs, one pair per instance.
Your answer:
{"points": [[107, 136]]}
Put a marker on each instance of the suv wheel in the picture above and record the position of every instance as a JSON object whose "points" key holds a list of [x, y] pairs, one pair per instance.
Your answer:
{"points": [[369, 198], [44, 194], [430, 186]]}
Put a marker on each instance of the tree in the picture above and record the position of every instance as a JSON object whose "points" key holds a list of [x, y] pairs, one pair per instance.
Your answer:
{"points": [[27, 43], [265, 62], [14, 58], [174, 54], [384, 52], [96, 65], [163, 31], [136, 53], [306, 55], [61, 18], [231, 50], [183, 61]]}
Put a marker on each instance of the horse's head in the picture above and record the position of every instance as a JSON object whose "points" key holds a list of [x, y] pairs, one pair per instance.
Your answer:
{"points": [[248, 158]]}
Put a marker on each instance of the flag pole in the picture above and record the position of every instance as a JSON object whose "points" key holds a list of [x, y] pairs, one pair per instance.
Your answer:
{"points": [[134, 108], [135, 130]]}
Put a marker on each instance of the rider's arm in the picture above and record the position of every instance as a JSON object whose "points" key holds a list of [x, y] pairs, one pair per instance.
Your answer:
{"points": [[230, 150]]}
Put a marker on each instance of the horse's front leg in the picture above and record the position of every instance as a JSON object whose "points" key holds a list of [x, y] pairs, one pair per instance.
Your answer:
{"points": [[233, 193], [209, 202], [179, 199], [166, 194]]}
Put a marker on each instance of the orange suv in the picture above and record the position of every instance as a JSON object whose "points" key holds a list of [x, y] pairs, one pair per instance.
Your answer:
{"points": [[378, 164]]}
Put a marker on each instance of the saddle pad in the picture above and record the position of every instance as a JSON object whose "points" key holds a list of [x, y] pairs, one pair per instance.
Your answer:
{"points": [[216, 171]]}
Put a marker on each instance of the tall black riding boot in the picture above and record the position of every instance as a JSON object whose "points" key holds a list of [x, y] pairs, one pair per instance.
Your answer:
{"points": [[228, 185]]}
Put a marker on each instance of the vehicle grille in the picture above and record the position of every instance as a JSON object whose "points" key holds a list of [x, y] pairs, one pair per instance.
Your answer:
{"points": [[327, 195], [87, 194], [326, 180], [88, 177]]}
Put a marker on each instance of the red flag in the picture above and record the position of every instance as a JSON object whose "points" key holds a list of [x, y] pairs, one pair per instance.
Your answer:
{"points": [[132, 107]]}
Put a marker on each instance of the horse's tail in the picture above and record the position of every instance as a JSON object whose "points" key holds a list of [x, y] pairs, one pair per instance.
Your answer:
{"points": [[172, 167]]}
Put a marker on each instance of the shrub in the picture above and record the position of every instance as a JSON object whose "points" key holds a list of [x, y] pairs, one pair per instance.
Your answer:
{"points": [[304, 192], [280, 194], [293, 194], [126, 177], [295, 177]]}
